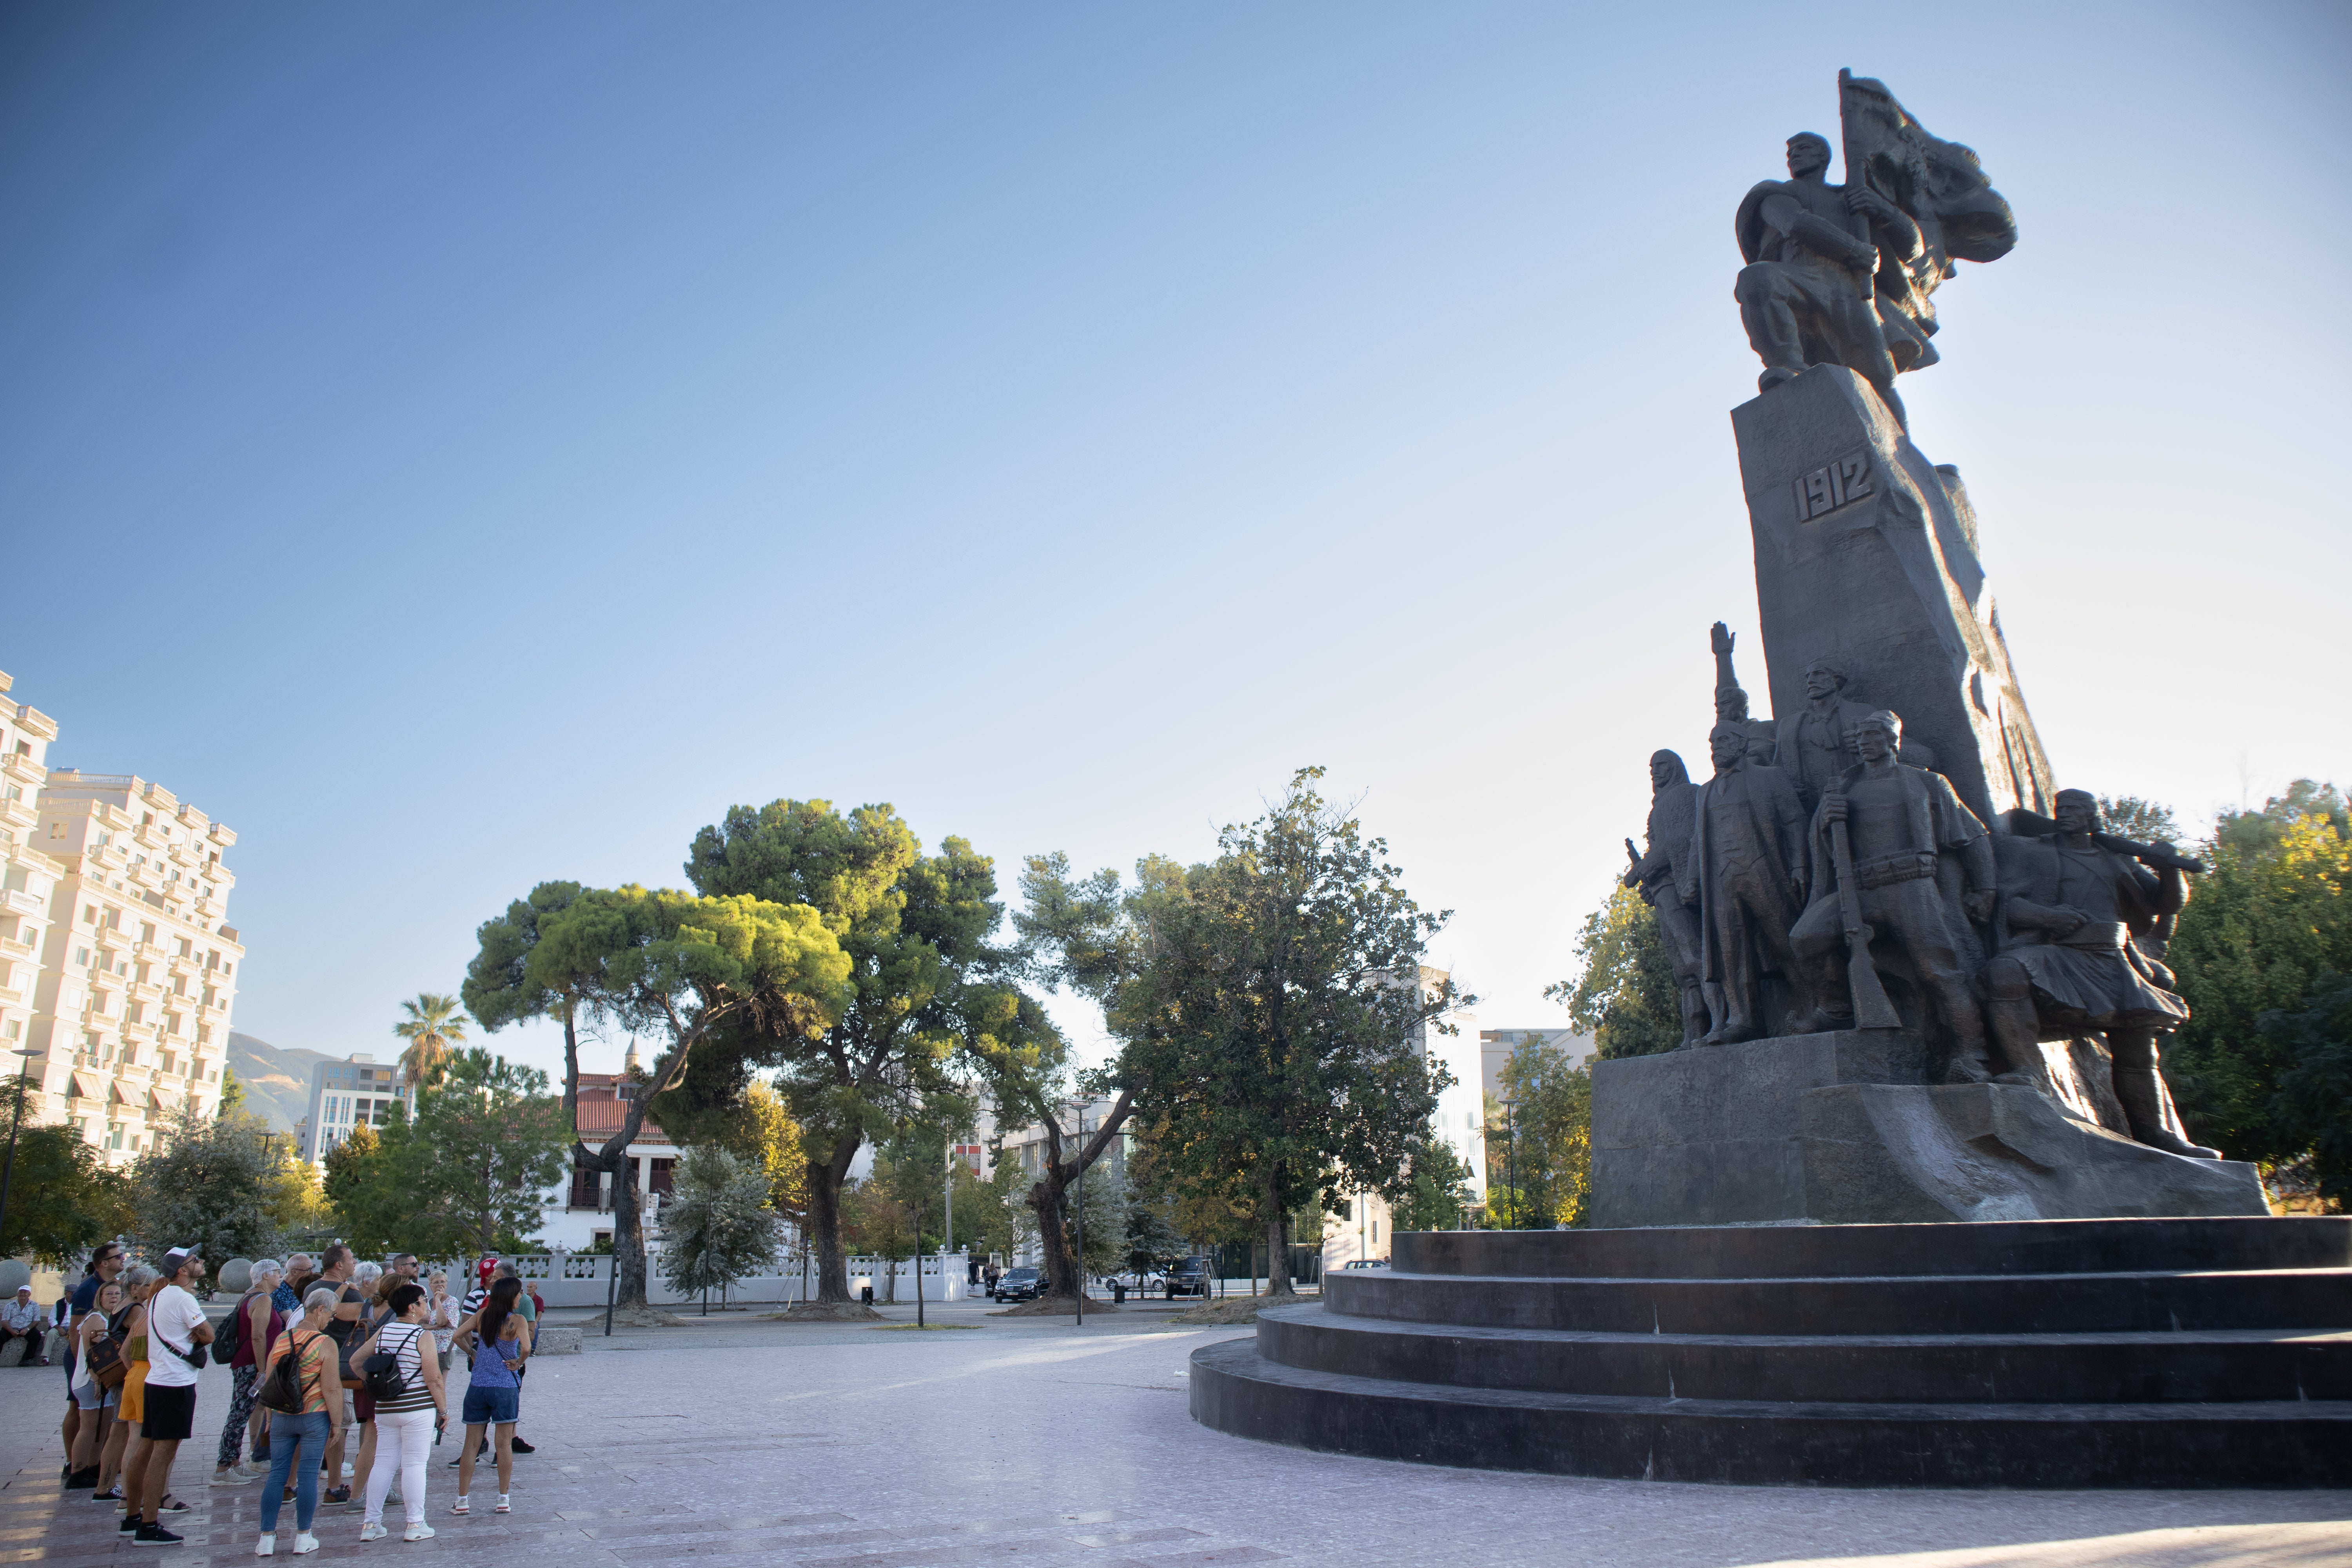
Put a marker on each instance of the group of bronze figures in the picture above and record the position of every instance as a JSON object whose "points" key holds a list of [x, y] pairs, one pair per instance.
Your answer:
{"points": [[1826, 856]]}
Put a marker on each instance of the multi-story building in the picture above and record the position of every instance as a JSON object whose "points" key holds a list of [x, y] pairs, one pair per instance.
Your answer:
{"points": [[138, 961], [353, 1092], [28, 875], [1359, 1229]]}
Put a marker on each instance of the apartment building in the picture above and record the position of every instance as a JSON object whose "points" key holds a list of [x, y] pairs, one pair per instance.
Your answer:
{"points": [[353, 1092], [1358, 1230], [139, 963], [27, 877]]}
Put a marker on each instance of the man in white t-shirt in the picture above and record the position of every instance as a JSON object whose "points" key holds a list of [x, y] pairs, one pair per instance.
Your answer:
{"points": [[176, 1327]]}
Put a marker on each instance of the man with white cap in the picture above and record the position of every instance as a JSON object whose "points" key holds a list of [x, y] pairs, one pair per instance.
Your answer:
{"points": [[176, 1334], [20, 1319]]}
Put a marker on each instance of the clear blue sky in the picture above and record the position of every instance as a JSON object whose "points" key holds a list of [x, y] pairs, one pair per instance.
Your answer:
{"points": [[461, 445]]}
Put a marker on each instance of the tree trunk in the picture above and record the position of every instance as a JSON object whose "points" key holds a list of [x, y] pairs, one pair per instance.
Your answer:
{"points": [[628, 1235], [1058, 1247], [825, 1179], [1278, 1246], [1054, 1246]]}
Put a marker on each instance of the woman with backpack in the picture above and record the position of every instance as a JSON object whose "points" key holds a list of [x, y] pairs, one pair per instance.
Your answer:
{"points": [[493, 1395], [403, 1377], [96, 1452], [302, 1390], [254, 1321]]}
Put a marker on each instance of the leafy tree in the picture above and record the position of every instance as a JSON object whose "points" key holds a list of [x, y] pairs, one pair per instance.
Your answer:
{"points": [[1626, 999], [63, 1199], [292, 1194], [2313, 1106], [433, 1024], [994, 1215], [2261, 926], [207, 1184], [923, 982], [684, 968], [761, 1134], [1271, 1013], [470, 1174], [1433, 1191], [1540, 1155], [717, 1226], [232, 1093], [2137, 820]]}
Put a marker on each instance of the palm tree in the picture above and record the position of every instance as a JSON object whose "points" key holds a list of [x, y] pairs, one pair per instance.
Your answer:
{"points": [[434, 1023]]}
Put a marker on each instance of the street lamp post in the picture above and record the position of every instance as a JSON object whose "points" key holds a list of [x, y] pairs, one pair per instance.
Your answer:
{"points": [[1081, 1188], [1511, 1158], [8, 1171]]}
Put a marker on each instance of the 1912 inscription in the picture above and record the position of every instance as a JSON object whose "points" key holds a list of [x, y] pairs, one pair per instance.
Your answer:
{"points": [[1828, 487]]}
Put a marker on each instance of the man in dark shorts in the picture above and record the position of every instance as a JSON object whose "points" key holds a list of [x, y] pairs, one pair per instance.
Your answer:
{"points": [[176, 1327]]}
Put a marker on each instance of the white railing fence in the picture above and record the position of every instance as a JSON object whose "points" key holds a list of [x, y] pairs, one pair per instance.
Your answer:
{"points": [[582, 1278]]}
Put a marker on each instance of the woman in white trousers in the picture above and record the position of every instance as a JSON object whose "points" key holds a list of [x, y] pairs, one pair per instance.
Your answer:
{"points": [[404, 1422]]}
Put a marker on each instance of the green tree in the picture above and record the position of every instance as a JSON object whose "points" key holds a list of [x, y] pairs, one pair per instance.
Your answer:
{"points": [[717, 1226], [468, 1174], [1433, 1191], [2137, 820], [687, 970], [232, 1093], [63, 1199], [2268, 919], [1272, 1013], [433, 1026], [924, 982], [207, 1184], [1626, 999], [1539, 1154], [2314, 1103]]}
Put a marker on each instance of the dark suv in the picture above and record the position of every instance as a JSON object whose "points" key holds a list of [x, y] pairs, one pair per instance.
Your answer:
{"points": [[1188, 1277], [1020, 1285]]}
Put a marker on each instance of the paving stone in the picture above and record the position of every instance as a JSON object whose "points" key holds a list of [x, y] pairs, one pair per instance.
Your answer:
{"points": [[1032, 1441]]}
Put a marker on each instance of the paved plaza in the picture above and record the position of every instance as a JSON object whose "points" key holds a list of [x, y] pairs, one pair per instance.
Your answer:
{"points": [[1030, 1441]]}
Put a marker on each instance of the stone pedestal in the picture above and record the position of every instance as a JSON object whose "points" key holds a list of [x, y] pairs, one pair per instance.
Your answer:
{"points": [[1867, 554], [1846, 1128]]}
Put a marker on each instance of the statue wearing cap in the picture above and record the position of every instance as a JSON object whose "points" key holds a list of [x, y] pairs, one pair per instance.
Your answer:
{"points": [[1657, 874], [1914, 842], [2077, 907]]}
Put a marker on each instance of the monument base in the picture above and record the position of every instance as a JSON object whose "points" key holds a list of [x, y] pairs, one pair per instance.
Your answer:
{"points": [[1846, 1128]]}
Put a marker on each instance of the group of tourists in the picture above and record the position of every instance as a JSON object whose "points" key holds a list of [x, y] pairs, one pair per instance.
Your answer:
{"points": [[312, 1352]]}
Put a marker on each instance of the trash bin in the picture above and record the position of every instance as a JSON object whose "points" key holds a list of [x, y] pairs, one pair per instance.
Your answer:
{"points": [[865, 1294], [1118, 1292]]}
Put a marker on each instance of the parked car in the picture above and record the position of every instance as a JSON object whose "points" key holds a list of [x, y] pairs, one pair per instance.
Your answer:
{"points": [[1020, 1285], [1368, 1263], [1186, 1277], [1135, 1282]]}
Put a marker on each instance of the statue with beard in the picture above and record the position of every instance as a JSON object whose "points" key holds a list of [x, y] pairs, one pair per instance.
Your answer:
{"points": [[1673, 814]]}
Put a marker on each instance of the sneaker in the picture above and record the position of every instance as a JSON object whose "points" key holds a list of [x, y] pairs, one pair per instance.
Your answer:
{"points": [[79, 1479], [417, 1533], [459, 1506], [373, 1533], [171, 1505], [229, 1478], [130, 1521], [266, 1546], [519, 1446], [304, 1542], [286, 1497], [347, 1469], [113, 1494], [156, 1535], [339, 1497], [504, 1506]]}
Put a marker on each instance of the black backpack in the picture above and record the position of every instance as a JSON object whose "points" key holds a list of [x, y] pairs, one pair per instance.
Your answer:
{"points": [[382, 1370], [232, 1331], [283, 1390]]}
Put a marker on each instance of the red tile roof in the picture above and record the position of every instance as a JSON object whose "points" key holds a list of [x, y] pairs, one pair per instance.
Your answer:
{"points": [[600, 1112]]}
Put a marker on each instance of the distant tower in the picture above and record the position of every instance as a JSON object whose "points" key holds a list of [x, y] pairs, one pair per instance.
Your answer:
{"points": [[630, 1064]]}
